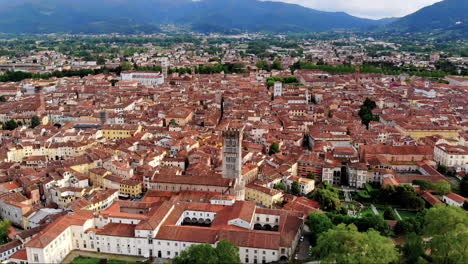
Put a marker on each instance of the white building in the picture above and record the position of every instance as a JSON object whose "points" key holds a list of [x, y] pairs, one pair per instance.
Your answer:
{"points": [[453, 156], [165, 229], [143, 77]]}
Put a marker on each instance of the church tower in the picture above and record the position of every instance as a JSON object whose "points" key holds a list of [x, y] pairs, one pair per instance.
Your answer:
{"points": [[232, 159], [165, 66], [278, 89]]}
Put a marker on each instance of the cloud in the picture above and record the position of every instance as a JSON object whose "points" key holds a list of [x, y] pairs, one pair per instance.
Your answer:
{"points": [[366, 8]]}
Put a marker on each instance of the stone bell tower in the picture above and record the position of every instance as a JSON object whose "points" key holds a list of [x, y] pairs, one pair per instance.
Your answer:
{"points": [[232, 159]]}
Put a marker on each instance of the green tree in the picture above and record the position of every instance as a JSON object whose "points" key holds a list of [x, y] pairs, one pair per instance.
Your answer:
{"points": [[4, 230], [442, 219], [280, 186], [224, 253], [35, 121], [449, 248], [365, 112], [410, 225], [329, 200], [126, 66], [197, 254], [442, 187], [276, 65], [261, 64], [464, 187], [10, 125], [443, 169], [227, 253], [173, 122], [295, 188], [2, 98], [318, 223], [423, 184], [389, 213], [344, 244], [274, 148], [413, 249], [310, 175]]}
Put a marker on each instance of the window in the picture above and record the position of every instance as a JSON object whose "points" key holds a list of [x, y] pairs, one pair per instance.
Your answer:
{"points": [[36, 258]]}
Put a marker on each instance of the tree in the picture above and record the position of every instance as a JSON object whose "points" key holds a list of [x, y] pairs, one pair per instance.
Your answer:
{"points": [[227, 253], [197, 254], [413, 249], [280, 186], [410, 225], [310, 175], [443, 169], [441, 187], [10, 125], [449, 248], [328, 199], [403, 195], [448, 226], [464, 187], [2, 99], [423, 184], [274, 148], [389, 213], [261, 64], [224, 253], [4, 230], [126, 66], [344, 244], [173, 122], [318, 223], [375, 222], [295, 188], [276, 65], [365, 112], [441, 219], [35, 121]]}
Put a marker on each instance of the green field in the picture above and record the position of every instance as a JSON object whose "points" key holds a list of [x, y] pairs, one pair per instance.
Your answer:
{"points": [[88, 260], [366, 211], [406, 214]]}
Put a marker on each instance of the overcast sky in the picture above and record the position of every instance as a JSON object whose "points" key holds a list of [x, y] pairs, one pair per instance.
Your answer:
{"points": [[366, 8]]}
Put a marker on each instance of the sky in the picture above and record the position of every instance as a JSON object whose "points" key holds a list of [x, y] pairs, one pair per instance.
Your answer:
{"points": [[366, 8]]}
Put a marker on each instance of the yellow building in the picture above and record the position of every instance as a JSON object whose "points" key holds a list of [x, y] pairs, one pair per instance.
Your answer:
{"points": [[263, 195], [119, 131], [130, 188], [419, 131], [97, 176], [181, 116]]}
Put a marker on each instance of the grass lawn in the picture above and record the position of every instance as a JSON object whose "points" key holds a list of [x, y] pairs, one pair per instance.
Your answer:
{"points": [[406, 214], [366, 211], [88, 260]]}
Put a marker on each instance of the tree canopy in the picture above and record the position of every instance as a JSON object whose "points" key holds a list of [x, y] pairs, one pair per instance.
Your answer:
{"points": [[35, 121], [274, 148], [448, 227], [4, 225], [295, 188], [318, 223], [345, 244], [224, 253]]}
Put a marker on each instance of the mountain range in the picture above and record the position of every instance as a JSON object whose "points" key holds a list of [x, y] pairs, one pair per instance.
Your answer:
{"points": [[226, 16]]}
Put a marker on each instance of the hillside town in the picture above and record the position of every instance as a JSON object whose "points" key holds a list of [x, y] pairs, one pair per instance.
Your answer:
{"points": [[149, 153]]}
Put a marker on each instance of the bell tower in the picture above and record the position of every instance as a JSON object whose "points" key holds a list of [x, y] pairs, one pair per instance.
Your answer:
{"points": [[232, 159]]}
